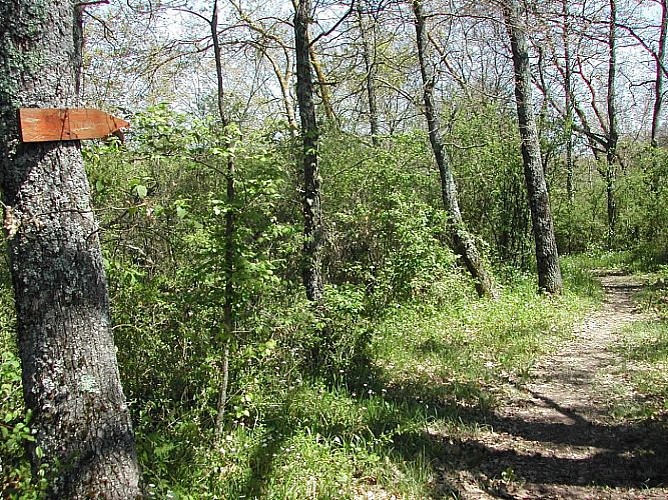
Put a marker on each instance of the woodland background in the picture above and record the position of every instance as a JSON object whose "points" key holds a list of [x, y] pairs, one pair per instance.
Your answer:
{"points": [[335, 401]]}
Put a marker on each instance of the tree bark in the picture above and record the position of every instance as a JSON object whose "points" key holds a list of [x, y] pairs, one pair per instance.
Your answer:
{"points": [[568, 91], [658, 82], [229, 320], [547, 258], [313, 228], [70, 375], [463, 243], [370, 69], [613, 133]]}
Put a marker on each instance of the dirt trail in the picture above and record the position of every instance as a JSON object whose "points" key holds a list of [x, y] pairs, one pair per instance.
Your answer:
{"points": [[556, 437]]}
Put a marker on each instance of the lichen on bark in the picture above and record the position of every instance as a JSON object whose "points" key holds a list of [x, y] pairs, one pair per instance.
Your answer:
{"points": [[70, 376]]}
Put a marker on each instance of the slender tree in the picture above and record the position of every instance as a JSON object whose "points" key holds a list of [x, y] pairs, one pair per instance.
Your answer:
{"points": [[229, 320], [547, 258], [568, 102], [610, 170], [313, 228], [599, 123], [463, 242], [659, 73], [70, 375], [368, 56], [323, 85], [267, 41]]}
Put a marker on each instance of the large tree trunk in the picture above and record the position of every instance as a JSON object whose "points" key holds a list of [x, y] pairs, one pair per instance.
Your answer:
{"points": [[313, 229], [463, 242], [547, 258], [70, 375]]}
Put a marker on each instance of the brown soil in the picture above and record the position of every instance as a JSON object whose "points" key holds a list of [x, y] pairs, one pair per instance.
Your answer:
{"points": [[557, 437]]}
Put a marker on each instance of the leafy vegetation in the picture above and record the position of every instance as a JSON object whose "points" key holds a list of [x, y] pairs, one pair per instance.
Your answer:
{"points": [[354, 398], [405, 351], [202, 225], [645, 349], [292, 435]]}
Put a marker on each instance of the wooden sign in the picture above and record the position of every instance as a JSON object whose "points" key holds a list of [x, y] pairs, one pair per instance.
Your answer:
{"points": [[67, 124]]}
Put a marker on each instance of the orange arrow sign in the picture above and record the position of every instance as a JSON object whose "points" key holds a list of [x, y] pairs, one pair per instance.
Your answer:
{"points": [[50, 124]]}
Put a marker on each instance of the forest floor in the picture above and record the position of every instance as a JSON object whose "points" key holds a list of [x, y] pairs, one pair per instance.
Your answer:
{"points": [[557, 434]]}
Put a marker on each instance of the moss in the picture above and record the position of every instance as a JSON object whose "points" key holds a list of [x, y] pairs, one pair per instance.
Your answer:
{"points": [[20, 54]]}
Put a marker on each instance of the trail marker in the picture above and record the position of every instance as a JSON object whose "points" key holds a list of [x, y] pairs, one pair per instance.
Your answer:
{"points": [[67, 124]]}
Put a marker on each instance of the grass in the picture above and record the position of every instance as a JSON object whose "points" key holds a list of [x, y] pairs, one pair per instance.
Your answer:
{"points": [[461, 348], [601, 260], [645, 349], [432, 376]]}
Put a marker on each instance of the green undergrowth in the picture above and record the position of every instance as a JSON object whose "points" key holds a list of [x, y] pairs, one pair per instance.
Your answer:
{"points": [[645, 350], [377, 430], [15, 474], [596, 261], [433, 374], [461, 349]]}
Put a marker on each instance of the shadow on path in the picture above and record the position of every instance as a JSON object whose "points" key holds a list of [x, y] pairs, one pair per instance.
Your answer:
{"points": [[558, 440], [582, 453]]}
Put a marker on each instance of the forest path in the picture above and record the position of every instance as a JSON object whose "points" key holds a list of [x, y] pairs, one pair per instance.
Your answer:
{"points": [[557, 436]]}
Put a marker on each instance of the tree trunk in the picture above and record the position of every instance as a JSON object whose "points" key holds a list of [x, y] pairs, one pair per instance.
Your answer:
{"points": [[323, 85], [547, 258], [613, 133], [284, 84], [313, 229], [568, 91], [229, 320], [70, 375], [463, 242], [658, 82], [370, 69]]}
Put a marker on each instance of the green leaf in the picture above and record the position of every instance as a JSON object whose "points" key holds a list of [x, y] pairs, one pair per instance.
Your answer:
{"points": [[141, 191]]}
